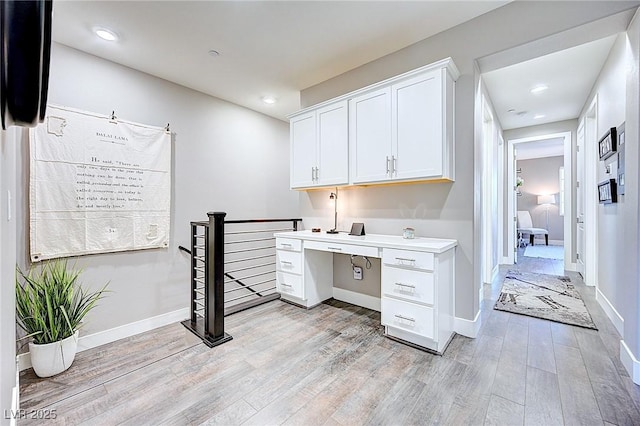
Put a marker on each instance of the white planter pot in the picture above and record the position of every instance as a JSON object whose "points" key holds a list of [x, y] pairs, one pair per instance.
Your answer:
{"points": [[50, 359]]}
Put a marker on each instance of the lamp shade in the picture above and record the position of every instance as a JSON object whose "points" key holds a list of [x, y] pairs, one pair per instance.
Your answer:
{"points": [[546, 199]]}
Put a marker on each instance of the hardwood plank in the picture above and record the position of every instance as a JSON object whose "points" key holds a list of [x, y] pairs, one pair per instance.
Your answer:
{"points": [[399, 401], [510, 379], [578, 401], [235, 414], [357, 408], [442, 382], [562, 334], [615, 403], [543, 404], [502, 411], [540, 350]]}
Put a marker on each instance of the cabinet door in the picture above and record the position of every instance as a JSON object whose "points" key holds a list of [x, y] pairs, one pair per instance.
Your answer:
{"points": [[417, 127], [333, 144], [303, 150], [370, 136]]}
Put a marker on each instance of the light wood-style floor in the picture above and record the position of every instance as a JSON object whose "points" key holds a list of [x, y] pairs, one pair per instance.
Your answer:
{"points": [[331, 365]]}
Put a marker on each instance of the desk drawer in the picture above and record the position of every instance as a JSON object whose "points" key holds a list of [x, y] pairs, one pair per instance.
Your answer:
{"points": [[289, 284], [408, 259], [288, 244], [408, 316], [342, 248], [408, 284], [289, 261]]}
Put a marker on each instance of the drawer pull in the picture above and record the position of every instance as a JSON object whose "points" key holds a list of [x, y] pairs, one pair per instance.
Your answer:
{"points": [[286, 262], [406, 285], [286, 245], [405, 318], [404, 259], [335, 248], [285, 285]]}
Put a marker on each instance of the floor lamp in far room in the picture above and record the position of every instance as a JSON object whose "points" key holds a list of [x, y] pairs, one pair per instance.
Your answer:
{"points": [[546, 200]]}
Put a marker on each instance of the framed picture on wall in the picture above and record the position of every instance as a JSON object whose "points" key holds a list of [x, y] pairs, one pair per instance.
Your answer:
{"points": [[607, 192], [621, 145], [607, 145]]}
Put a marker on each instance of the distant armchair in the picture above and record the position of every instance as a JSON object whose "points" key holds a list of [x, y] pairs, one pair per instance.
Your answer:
{"points": [[525, 226]]}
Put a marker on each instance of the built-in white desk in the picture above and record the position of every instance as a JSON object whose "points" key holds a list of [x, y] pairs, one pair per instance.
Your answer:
{"points": [[417, 279]]}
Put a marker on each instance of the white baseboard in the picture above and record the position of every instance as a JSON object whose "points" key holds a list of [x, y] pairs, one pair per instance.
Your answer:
{"points": [[556, 242], [117, 333], [469, 328], [607, 307], [631, 364], [15, 399], [494, 273], [355, 298], [506, 261]]}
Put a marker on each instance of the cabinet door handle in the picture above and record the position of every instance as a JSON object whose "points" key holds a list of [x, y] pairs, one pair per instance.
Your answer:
{"points": [[406, 285], [405, 318], [335, 248], [313, 174], [387, 164], [404, 259], [316, 174], [393, 165]]}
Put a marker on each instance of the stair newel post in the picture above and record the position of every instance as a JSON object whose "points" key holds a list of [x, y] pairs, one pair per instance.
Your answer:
{"points": [[214, 317]]}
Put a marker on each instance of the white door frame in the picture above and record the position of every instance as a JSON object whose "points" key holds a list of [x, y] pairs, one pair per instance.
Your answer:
{"points": [[590, 194], [489, 242], [568, 185]]}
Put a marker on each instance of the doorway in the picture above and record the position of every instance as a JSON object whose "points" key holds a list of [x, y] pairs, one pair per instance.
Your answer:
{"points": [[562, 199]]}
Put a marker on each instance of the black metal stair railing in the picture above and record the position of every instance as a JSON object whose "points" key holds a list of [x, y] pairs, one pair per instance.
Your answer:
{"points": [[232, 269]]}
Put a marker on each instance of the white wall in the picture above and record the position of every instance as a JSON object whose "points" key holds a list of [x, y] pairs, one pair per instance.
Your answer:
{"points": [[627, 262], [225, 158], [611, 91], [9, 142], [448, 210], [618, 93]]}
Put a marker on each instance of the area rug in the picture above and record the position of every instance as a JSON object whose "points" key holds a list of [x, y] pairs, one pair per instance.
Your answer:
{"points": [[549, 297], [545, 252]]}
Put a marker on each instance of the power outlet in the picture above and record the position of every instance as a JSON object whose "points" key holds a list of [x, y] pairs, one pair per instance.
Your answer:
{"points": [[357, 273]]}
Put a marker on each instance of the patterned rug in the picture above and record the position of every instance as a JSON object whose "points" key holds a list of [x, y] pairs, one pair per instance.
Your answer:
{"points": [[549, 297], [545, 252]]}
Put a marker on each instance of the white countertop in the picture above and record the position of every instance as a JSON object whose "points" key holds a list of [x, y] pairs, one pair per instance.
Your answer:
{"points": [[432, 245]]}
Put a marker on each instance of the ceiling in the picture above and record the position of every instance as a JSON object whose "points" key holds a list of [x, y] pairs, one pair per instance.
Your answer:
{"points": [[569, 75], [267, 48], [542, 148]]}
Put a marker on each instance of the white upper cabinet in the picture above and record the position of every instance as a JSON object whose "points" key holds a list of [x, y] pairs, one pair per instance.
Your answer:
{"points": [[403, 132], [320, 147], [398, 130], [303, 150], [417, 127], [370, 136]]}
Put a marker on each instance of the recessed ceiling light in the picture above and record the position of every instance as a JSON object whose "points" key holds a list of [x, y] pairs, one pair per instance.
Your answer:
{"points": [[269, 100], [106, 34], [538, 116], [214, 53], [539, 89]]}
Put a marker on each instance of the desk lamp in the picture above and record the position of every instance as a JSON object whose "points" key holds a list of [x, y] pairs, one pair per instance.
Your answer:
{"points": [[334, 196]]}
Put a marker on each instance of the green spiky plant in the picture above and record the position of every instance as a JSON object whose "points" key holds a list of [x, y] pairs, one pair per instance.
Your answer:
{"points": [[51, 303]]}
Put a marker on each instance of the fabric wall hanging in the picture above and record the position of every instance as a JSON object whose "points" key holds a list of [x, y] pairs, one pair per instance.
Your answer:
{"points": [[97, 185]]}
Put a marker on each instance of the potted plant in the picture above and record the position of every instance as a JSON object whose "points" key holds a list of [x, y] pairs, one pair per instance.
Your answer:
{"points": [[50, 307]]}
